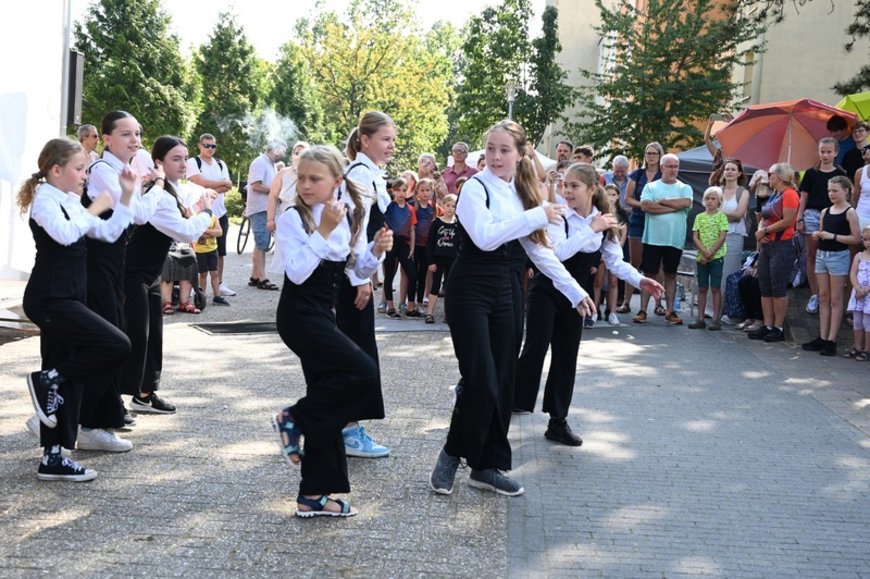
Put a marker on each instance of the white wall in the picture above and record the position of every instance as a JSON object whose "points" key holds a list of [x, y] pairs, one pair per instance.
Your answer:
{"points": [[31, 83]]}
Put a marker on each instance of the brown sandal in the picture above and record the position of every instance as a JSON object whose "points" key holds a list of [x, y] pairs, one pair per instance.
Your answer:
{"points": [[265, 284], [168, 309], [188, 308]]}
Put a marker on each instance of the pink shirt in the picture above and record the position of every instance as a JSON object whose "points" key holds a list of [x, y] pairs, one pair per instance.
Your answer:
{"points": [[450, 176]]}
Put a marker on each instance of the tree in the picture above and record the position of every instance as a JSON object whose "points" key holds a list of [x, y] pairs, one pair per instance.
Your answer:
{"points": [[233, 91], [860, 28], [497, 52], [132, 63], [373, 58], [669, 64], [293, 93]]}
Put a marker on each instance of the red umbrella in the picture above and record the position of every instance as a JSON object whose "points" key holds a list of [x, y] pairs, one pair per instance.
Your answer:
{"points": [[785, 131]]}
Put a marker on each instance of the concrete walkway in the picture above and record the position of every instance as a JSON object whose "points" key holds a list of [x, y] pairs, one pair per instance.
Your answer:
{"points": [[705, 454]]}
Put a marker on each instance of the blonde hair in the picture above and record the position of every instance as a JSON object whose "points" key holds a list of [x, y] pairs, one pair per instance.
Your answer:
{"points": [[430, 183], [526, 176], [55, 152], [785, 172], [450, 197], [844, 182], [331, 157], [714, 190], [588, 175], [369, 124]]}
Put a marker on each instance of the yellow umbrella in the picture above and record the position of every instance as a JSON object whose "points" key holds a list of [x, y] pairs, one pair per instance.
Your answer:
{"points": [[858, 104]]}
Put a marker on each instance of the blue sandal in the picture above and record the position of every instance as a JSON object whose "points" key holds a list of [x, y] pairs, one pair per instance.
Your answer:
{"points": [[289, 437], [318, 507]]}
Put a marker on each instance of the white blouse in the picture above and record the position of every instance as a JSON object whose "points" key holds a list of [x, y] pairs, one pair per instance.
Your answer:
{"points": [[506, 220], [366, 174], [168, 220], [46, 211], [104, 176], [303, 251], [582, 239]]}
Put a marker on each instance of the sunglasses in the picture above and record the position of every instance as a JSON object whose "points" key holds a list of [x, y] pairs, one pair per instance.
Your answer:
{"points": [[210, 146]]}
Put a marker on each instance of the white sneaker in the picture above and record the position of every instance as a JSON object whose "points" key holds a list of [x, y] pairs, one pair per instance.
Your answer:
{"points": [[226, 291], [813, 304], [613, 320], [101, 439]]}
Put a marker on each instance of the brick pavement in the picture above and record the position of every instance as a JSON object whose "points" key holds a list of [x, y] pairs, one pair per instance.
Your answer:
{"points": [[749, 462]]}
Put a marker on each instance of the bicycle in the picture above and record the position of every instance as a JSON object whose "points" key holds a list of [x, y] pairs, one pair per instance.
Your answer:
{"points": [[245, 232]]}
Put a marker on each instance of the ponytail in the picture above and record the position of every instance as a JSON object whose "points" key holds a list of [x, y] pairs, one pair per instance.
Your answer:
{"points": [[601, 202], [369, 124], [55, 152], [526, 183], [353, 145]]}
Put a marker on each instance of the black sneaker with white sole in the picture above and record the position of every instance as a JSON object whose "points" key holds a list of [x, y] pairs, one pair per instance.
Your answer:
{"points": [[44, 389], [57, 467], [151, 405], [492, 479]]}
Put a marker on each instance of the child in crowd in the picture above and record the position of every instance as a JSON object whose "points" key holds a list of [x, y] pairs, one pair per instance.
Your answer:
{"points": [[425, 211], [708, 235], [320, 238], [401, 220], [79, 347], [612, 192], [207, 260], [459, 183], [441, 250], [859, 301], [838, 229]]}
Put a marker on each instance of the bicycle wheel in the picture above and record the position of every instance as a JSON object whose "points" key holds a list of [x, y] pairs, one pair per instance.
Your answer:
{"points": [[244, 232]]}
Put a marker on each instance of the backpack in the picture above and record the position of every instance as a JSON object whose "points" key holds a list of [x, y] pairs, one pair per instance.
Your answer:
{"points": [[199, 163]]}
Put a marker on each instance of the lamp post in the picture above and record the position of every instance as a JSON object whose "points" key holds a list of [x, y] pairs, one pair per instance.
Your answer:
{"points": [[511, 89]]}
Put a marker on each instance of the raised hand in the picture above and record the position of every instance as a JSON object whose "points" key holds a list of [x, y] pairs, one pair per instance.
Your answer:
{"points": [[554, 213], [333, 212], [127, 180], [603, 222], [383, 241]]}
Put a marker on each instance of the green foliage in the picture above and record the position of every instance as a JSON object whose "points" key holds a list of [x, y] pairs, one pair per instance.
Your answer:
{"points": [[294, 95], [133, 63], [372, 58], [668, 64], [860, 28], [234, 203], [234, 82], [496, 52]]}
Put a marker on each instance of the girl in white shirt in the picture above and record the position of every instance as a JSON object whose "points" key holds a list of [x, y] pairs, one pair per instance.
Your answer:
{"points": [[79, 347], [319, 238], [501, 221], [589, 234]]}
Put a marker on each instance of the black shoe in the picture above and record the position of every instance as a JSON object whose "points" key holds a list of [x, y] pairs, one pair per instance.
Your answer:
{"points": [[774, 335], [444, 473], [829, 348], [492, 479], [559, 431], [44, 393], [58, 467], [153, 405], [220, 301], [759, 334], [814, 345], [128, 418]]}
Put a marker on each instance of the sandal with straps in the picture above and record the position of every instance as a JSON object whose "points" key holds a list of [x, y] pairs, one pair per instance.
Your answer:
{"points": [[660, 311], [265, 284], [623, 309], [430, 319], [318, 507], [289, 437], [168, 309], [863, 356], [189, 308], [852, 353]]}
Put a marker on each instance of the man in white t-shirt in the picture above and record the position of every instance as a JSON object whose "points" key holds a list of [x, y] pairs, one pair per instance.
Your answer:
{"points": [[260, 176], [208, 171]]}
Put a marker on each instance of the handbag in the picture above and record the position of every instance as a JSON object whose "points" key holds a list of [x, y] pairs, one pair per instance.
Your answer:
{"points": [[182, 253]]}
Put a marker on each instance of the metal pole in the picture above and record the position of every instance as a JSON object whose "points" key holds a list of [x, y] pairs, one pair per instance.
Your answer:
{"points": [[64, 98]]}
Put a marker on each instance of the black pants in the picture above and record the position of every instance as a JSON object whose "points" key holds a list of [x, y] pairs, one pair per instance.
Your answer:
{"points": [[142, 308], [85, 349], [101, 401], [552, 322], [359, 326], [485, 316], [750, 295], [401, 252], [421, 264], [442, 272], [340, 378]]}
